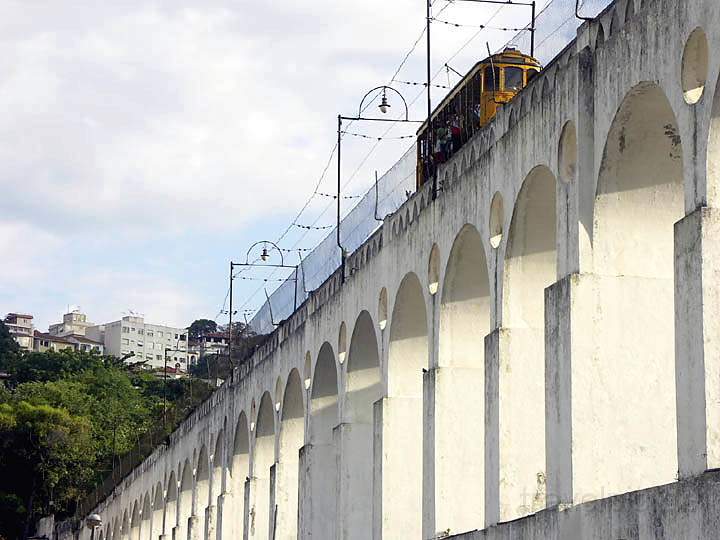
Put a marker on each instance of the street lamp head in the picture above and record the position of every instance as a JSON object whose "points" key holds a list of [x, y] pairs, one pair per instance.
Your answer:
{"points": [[93, 521], [384, 105]]}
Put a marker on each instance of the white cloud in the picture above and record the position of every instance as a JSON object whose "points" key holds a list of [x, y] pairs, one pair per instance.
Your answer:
{"points": [[127, 120]]}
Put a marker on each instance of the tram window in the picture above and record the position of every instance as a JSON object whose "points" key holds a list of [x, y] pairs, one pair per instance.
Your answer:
{"points": [[513, 78], [531, 73], [492, 79]]}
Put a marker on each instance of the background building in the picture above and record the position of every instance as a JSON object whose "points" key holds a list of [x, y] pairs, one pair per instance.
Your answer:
{"points": [[134, 340], [21, 328], [74, 323], [43, 342]]}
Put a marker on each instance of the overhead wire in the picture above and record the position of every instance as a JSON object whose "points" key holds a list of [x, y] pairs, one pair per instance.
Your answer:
{"points": [[377, 142]]}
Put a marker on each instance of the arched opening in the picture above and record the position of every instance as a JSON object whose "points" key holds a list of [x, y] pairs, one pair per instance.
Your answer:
{"points": [[459, 384], [695, 62], [465, 308], [263, 460], [401, 468], [629, 387], [713, 152], [322, 455], [171, 503], [530, 267], [363, 389], [292, 434], [497, 220], [158, 511], [383, 309], [240, 471], [186, 494], [307, 371], [434, 270], [135, 522], [342, 343], [218, 460], [125, 529], [202, 484], [278, 393], [568, 153], [146, 517], [408, 348]]}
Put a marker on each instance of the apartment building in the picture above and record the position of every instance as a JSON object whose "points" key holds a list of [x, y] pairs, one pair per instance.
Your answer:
{"points": [[74, 324], [135, 341], [21, 329]]}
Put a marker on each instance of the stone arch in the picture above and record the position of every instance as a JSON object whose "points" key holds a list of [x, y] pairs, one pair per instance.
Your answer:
{"points": [[239, 472], [342, 342], [600, 36], [171, 503], [512, 121], [639, 198], [434, 270], [408, 350], [263, 459], [135, 521], [125, 528], [145, 517], [530, 259], [158, 512], [324, 396], [202, 482], [322, 475], [185, 509], [401, 468], [290, 441], [568, 153], [530, 267], [464, 323], [629, 10], [694, 68], [465, 308], [383, 309], [307, 371], [546, 90], [363, 389], [218, 464]]}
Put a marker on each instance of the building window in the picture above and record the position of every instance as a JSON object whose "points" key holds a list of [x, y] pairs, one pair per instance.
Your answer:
{"points": [[126, 341], [182, 337], [158, 357], [125, 329], [140, 344], [160, 333], [141, 331], [149, 333], [132, 329]]}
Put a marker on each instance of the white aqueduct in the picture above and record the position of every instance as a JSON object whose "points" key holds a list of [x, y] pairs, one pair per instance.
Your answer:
{"points": [[533, 354]]}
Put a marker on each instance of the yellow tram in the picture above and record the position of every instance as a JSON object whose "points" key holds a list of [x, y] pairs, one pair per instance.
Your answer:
{"points": [[470, 105]]}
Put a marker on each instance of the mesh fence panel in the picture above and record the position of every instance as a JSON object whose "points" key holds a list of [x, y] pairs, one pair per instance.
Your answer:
{"points": [[556, 26], [392, 190]]}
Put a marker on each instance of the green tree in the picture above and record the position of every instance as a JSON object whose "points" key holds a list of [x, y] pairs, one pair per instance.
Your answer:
{"points": [[47, 460], [201, 327], [50, 365], [8, 346]]}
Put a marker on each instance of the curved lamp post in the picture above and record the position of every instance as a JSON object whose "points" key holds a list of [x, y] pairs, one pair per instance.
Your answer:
{"points": [[268, 248], [384, 107]]}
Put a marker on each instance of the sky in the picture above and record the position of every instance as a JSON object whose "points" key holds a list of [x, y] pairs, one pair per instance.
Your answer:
{"points": [[146, 144]]}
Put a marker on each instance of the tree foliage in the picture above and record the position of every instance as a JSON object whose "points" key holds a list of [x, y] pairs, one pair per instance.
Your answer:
{"points": [[65, 419], [202, 327]]}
